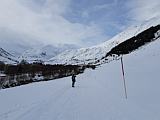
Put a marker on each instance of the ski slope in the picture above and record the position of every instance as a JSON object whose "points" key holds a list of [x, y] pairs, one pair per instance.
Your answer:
{"points": [[98, 95]]}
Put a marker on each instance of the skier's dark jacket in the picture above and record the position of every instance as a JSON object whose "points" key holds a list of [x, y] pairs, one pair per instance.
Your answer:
{"points": [[73, 78]]}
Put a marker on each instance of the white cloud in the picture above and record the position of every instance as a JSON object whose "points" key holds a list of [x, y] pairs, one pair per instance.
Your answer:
{"points": [[105, 6], [44, 22], [142, 10]]}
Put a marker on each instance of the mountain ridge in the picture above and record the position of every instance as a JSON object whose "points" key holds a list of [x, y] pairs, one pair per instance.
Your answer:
{"points": [[96, 53], [6, 57]]}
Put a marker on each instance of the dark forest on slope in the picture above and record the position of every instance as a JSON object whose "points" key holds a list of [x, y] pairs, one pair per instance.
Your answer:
{"points": [[15, 75], [135, 42]]}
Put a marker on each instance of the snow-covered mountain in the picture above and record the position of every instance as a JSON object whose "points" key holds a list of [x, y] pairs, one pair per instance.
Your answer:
{"points": [[98, 94], [16, 43], [44, 53], [7, 58], [92, 54], [67, 54]]}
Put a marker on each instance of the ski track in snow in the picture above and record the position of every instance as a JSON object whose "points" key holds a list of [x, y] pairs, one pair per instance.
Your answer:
{"points": [[98, 94]]}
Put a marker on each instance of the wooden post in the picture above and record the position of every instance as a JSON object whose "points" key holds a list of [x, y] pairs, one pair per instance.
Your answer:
{"points": [[124, 81]]}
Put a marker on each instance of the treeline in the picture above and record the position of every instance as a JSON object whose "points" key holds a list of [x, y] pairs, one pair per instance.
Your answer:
{"points": [[40, 68], [27, 73]]}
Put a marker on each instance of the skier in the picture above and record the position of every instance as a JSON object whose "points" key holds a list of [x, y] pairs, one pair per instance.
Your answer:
{"points": [[73, 80]]}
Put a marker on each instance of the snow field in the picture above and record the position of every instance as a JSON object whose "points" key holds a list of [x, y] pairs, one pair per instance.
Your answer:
{"points": [[98, 95]]}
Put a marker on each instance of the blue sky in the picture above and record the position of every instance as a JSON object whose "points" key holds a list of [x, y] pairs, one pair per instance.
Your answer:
{"points": [[107, 14], [80, 22]]}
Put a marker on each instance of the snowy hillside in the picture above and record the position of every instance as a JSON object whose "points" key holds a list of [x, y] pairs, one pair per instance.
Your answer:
{"points": [[17, 45], [6, 57], [92, 54], [98, 94], [44, 53]]}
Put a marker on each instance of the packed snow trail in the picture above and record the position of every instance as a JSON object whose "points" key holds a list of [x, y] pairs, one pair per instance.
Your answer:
{"points": [[98, 94]]}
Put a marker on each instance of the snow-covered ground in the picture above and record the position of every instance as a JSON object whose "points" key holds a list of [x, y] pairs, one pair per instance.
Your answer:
{"points": [[98, 95]]}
